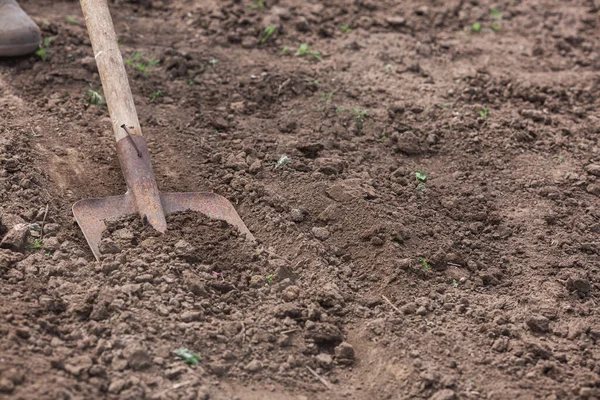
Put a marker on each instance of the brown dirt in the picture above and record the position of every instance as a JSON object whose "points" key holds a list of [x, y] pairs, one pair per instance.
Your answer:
{"points": [[507, 221]]}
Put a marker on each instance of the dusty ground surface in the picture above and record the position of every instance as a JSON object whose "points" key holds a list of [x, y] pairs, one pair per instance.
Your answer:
{"points": [[496, 102]]}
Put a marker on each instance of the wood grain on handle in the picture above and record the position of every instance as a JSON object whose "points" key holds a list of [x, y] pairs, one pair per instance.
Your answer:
{"points": [[111, 67]]}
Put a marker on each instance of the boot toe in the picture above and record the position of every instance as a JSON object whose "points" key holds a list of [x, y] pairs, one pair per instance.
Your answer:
{"points": [[19, 35]]}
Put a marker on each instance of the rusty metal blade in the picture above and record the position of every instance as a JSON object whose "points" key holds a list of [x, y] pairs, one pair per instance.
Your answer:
{"points": [[209, 204], [91, 213]]}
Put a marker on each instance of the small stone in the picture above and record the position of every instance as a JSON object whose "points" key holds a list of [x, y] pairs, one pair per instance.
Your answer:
{"points": [[23, 332], [175, 372], [396, 21], [257, 281], [51, 243], [324, 360], [344, 353], [6, 386], [190, 316], [538, 323], [139, 360], [580, 285], [320, 233], [339, 193], [298, 215], [117, 385], [302, 24], [255, 167], [409, 308], [594, 189], [500, 345], [219, 123], [78, 364], [593, 169], [421, 311], [376, 241], [408, 143], [108, 246], [291, 293], [254, 366], [444, 394], [16, 238]]}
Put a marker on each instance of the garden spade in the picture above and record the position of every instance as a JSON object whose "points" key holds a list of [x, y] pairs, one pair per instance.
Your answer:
{"points": [[142, 196]]}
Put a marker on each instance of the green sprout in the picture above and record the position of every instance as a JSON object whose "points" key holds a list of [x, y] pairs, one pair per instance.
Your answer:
{"points": [[359, 117], [340, 109], [483, 113], [285, 49], [156, 94], [37, 244], [327, 97], [270, 278], [73, 20], [345, 29], [258, 5], [425, 264], [94, 97], [143, 67], [187, 356], [388, 68], [421, 177], [454, 283], [43, 51], [496, 27], [383, 138], [267, 33], [283, 160], [304, 50], [495, 13], [476, 27], [213, 62], [560, 159]]}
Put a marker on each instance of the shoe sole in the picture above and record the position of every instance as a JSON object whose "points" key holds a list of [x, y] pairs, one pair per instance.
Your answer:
{"points": [[18, 50]]}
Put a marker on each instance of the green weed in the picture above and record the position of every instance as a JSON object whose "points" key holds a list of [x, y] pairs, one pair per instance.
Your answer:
{"points": [[156, 94], [213, 62], [483, 113], [270, 278], [72, 20], [340, 109], [454, 283], [421, 177], [283, 160], [383, 138], [258, 5], [267, 33], [136, 60], [345, 29], [187, 356], [425, 264], [359, 117], [495, 13], [476, 27], [284, 50], [43, 51], [37, 244], [94, 98], [560, 159], [388, 68], [304, 50]]}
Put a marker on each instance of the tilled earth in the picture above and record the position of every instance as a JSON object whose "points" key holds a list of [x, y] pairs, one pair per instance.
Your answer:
{"points": [[421, 177]]}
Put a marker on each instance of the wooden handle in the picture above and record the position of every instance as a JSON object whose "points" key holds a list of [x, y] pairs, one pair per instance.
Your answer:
{"points": [[111, 67]]}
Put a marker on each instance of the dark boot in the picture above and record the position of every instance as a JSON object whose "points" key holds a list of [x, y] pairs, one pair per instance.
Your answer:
{"points": [[19, 35]]}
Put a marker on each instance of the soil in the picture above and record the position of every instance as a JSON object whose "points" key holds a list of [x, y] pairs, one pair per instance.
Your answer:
{"points": [[480, 281]]}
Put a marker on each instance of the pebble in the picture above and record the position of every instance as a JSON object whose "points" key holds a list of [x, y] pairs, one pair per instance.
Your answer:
{"points": [[344, 353], [78, 364], [409, 308], [324, 360], [593, 189], [297, 215], [580, 285], [117, 385], [421, 311], [538, 323], [593, 169], [16, 238], [190, 316], [291, 293], [139, 360], [255, 167], [175, 372], [6, 386], [444, 394], [254, 366], [320, 233]]}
